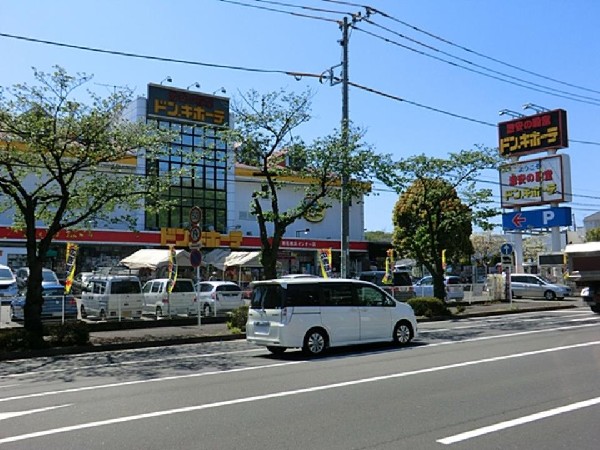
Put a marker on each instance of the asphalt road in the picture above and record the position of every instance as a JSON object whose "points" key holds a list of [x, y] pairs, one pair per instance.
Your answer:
{"points": [[523, 381]]}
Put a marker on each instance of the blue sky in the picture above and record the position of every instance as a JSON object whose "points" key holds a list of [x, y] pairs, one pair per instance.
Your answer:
{"points": [[556, 39]]}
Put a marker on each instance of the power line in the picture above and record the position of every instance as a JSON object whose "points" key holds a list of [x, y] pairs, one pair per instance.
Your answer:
{"points": [[265, 8], [466, 49], [140, 56], [420, 52], [430, 47], [308, 8]]}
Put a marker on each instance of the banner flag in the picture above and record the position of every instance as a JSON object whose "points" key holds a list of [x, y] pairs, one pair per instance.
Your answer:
{"points": [[172, 268], [70, 266], [325, 262]]}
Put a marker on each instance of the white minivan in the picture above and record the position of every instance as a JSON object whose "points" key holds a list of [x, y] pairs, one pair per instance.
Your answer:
{"points": [[160, 302], [112, 297], [315, 314]]}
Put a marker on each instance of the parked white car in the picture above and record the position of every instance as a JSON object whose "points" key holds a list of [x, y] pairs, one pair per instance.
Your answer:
{"points": [[534, 286], [112, 297], [454, 288], [219, 296], [8, 284], [160, 302]]}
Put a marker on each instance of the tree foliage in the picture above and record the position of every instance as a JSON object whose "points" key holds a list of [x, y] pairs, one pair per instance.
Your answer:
{"points": [[378, 236], [438, 205], [265, 138], [592, 235], [61, 166]]}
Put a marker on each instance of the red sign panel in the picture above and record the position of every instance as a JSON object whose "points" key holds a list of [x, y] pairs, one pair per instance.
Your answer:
{"points": [[533, 134]]}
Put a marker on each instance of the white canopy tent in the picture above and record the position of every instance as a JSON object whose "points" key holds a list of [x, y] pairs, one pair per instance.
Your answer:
{"points": [[216, 258], [155, 258], [243, 259]]}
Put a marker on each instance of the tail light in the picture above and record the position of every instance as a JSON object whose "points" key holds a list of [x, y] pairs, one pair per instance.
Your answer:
{"points": [[213, 295], [166, 300], [195, 299], [72, 301]]}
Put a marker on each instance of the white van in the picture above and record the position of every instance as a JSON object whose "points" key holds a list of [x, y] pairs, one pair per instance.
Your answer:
{"points": [[180, 301], [112, 297], [315, 314]]}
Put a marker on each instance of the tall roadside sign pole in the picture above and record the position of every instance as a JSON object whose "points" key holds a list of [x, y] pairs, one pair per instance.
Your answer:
{"points": [[195, 255]]}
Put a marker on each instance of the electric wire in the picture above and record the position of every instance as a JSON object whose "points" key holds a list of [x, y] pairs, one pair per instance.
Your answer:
{"points": [[420, 52], [265, 8], [466, 61]]}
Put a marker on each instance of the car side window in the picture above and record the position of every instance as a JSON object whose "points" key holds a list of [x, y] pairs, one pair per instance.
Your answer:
{"points": [[147, 287], [302, 295], [368, 296], [156, 287], [206, 287], [338, 295]]}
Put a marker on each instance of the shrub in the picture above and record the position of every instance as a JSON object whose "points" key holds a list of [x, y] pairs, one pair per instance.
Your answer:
{"points": [[13, 339], [237, 320], [69, 334], [429, 307]]}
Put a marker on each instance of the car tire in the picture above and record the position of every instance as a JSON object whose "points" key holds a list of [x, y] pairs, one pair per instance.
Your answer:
{"points": [[315, 342], [158, 312], [12, 314], [403, 333], [276, 350], [102, 314], [595, 308], [206, 310], [83, 312], [550, 295]]}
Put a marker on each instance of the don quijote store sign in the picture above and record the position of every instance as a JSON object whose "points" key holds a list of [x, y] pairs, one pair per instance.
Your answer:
{"points": [[536, 181], [533, 134]]}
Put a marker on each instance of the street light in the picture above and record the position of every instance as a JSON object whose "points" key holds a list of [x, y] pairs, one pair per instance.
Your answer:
{"points": [[221, 90], [167, 79], [196, 85], [305, 231]]}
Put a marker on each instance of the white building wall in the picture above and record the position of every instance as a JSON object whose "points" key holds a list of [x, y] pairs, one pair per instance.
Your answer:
{"points": [[290, 196]]}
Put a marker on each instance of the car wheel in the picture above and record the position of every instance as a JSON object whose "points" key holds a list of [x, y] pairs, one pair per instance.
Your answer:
{"points": [[549, 295], [102, 314], [595, 308], [83, 313], [12, 314], [206, 310], [276, 350], [315, 342], [403, 333], [158, 312]]}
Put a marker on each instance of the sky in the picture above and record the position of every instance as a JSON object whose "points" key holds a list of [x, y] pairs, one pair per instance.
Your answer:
{"points": [[455, 64]]}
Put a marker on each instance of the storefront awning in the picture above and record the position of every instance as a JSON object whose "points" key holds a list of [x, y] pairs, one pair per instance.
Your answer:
{"points": [[154, 258], [216, 258], [243, 259]]}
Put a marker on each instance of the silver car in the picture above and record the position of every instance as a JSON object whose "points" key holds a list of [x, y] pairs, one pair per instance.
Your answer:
{"points": [[534, 286], [219, 296]]}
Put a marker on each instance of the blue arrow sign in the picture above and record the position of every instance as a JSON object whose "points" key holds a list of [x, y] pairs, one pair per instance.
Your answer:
{"points": [[537, 218], [506, 249]]}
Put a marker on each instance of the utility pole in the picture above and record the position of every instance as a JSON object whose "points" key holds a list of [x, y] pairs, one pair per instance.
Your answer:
{"points": [[345, 129], [345, 230]]}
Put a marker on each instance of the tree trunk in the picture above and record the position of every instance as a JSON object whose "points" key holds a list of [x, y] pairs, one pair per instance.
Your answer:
{"points": [[268, 260], [33, 306]]}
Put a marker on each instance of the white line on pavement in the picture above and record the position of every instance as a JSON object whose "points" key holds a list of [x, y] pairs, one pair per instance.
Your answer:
{"points": [[282, 394], [519, 421], [10, 415]]}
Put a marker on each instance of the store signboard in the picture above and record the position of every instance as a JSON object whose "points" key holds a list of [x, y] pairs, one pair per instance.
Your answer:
{"points": [[533, 134], [536, 182]]}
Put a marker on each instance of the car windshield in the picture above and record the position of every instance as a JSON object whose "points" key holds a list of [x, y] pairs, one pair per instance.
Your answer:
{"points": [[6, 274]]}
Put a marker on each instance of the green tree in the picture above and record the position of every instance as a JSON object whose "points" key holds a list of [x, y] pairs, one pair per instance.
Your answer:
{"points": [[61, 167], [378, 236], [438, 205], [592, 235], [265, 138]]}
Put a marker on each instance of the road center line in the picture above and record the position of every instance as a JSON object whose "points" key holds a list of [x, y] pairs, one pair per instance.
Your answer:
{"points": [[282, 394], [519, 421]]}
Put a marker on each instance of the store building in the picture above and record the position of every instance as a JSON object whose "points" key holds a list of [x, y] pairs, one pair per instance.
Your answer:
{"points": [[222, 189]]}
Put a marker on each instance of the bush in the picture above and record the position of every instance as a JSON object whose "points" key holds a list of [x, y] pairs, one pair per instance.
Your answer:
{"points": [[69, 334], [237, 320], [13, 339], [429, 307]]}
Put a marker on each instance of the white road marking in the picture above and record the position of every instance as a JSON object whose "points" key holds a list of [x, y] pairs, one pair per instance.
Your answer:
{"points": [[10, 415], [519, 421], [152, 380], [282, 394], [128, 363]]}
